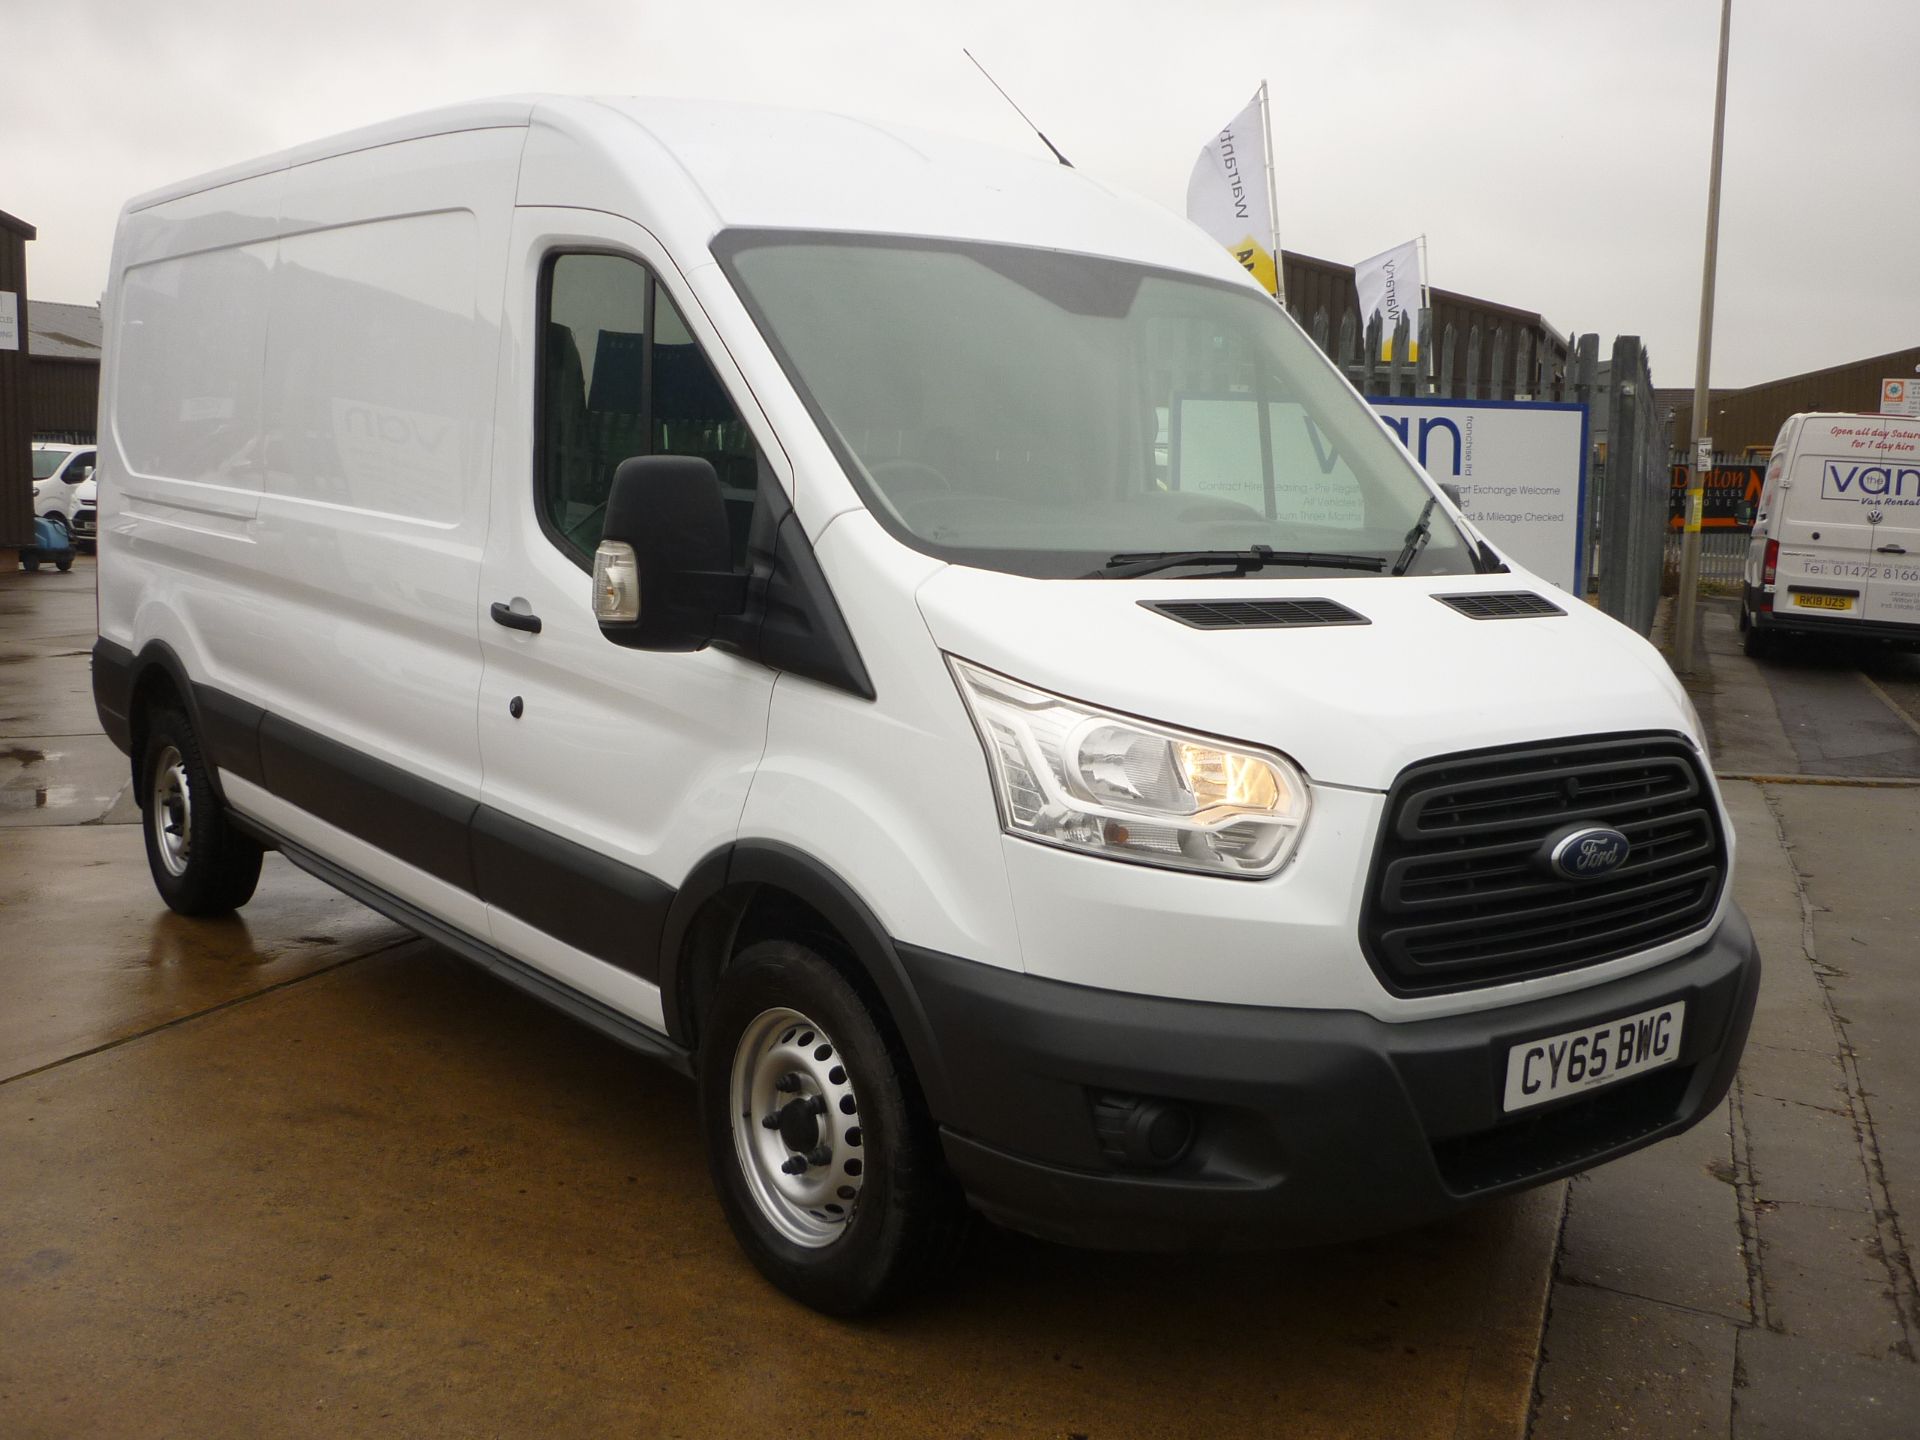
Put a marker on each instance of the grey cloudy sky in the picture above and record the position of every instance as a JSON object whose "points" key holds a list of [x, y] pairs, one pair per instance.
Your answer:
{"points": [[1554, 154]]}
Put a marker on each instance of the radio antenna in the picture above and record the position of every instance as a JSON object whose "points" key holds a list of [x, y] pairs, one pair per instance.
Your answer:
{"points": [[1018, 111]]}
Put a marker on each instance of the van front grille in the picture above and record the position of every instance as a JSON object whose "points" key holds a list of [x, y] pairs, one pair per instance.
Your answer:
{"points": [[1461, 894]]}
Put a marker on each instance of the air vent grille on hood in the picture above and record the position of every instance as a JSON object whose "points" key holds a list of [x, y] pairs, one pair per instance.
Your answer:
{"points": [[1255, 614], [1501, 605]]}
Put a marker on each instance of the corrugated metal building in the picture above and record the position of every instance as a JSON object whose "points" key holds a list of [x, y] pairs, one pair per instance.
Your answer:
{"points": [[16, 416], [1314, 285], [63, 371], [1746, 421]]}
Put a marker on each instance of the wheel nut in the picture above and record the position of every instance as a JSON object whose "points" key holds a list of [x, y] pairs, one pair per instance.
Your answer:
{"points": [[771, 1122], [793, 1165], [820, 1155], [787, 1084]]}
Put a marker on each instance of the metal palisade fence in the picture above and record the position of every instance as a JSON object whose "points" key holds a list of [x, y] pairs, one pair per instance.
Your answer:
{"points": [[1732, 495], [1627, 479]]}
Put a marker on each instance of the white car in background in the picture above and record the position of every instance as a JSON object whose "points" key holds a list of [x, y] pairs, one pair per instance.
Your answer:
{"points": [[62, 477]]}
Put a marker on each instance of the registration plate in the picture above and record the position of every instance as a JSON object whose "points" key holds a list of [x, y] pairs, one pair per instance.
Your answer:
{"points": [[1822, 602], [1556, 1065]]}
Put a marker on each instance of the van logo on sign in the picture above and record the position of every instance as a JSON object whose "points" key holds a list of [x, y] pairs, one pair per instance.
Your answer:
{"points": [[1587, 853], [1868, 483]]}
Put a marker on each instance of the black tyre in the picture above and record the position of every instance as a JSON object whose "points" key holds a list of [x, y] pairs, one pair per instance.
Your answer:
{"points": [[65, 562], [1756, 642], [201, 864], [825, 1160], [30, 562]]}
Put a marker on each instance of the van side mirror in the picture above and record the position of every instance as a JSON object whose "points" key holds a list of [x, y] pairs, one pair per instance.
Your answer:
{"points": [[1452, 492], [663, 575]]}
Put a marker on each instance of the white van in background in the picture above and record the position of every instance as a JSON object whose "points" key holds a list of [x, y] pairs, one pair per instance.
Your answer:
{"points": [[1836, 538], [62, 477], [725, 571]]}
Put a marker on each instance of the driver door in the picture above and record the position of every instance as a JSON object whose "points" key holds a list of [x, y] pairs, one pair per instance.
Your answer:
{"points": [[608, 772]]}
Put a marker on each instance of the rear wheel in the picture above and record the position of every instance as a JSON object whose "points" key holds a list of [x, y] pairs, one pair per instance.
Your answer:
{"points": [[201, 864], [1755, 642], [826, 1163]]}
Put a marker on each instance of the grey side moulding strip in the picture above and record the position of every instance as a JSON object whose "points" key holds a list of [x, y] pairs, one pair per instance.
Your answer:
{"points": [[609, 1022]]}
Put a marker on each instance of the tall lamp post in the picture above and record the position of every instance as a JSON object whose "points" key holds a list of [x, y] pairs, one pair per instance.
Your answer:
{"points": [[1687, 602]]}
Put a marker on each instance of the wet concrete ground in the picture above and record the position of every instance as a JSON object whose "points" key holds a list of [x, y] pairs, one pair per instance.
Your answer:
{"points": [[300, 1173]]}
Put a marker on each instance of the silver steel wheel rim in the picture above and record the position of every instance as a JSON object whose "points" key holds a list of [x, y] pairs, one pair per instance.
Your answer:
{"points": [[804, 1167], [171, 813]]}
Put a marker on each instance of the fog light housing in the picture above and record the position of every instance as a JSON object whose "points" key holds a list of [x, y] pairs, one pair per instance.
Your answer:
{"points": [[1143, 1134]]}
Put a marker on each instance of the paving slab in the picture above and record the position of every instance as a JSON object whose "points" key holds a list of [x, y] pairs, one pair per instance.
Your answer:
{"points": [[1800, 1077], [1692, 1257], [1791, 1390], [1805, 1156], [1826, 1279], [1737, 706], [1617, 1364]]}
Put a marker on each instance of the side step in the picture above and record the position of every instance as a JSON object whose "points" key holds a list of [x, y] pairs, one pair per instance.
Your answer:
{"points": [[609, 1022]]}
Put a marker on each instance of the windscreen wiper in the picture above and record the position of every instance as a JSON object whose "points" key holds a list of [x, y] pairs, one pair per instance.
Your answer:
{"points": [[1417, 537], [1131, 563]]}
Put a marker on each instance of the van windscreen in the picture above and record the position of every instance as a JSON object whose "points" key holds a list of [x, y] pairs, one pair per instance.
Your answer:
{"points": [[1040, 412]]}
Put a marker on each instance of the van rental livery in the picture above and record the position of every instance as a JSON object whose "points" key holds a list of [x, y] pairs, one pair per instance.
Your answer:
{"points": [[914, 640], [1835, 549]]}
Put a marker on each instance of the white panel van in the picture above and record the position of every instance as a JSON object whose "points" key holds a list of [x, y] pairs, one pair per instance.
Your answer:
{"points": [[919, 643], [1836, 536]]}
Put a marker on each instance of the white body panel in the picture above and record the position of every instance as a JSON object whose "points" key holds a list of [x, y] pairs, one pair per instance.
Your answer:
{"points": [[892, 796], [381, 356]]}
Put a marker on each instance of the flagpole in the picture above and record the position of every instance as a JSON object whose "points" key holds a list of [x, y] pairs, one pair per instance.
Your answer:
{"points": [[1273, 205]]}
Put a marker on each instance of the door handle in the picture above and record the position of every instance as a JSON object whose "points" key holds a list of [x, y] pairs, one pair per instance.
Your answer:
{"points": [[1893, 549], [505, 614]]}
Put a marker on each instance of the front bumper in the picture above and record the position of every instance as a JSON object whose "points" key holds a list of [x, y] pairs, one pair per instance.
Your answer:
{"points": [[1312, 1125]]}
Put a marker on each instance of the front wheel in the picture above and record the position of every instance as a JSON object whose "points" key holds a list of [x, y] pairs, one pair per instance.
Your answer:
{"points": [[201, 864], [825, 1160]]}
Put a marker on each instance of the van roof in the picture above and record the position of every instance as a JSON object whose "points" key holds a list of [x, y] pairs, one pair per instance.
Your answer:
{"points": [[767, 168], [1899, 422]]}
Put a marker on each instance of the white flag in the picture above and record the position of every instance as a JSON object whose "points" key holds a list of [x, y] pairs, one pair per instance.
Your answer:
{"points": [[1390, 285], [1227, 195]]}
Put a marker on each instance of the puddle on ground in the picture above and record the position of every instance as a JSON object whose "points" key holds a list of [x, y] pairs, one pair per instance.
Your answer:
{"points": [[40, 797]]}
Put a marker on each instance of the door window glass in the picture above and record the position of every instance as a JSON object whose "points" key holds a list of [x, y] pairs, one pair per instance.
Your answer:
{"points": [[621, 375]]}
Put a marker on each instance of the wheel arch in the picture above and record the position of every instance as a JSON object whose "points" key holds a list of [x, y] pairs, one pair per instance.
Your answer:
{"points": [[755, 890]]}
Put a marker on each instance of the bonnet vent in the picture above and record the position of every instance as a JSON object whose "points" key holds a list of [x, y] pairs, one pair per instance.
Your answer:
{"points": [[1255, 614], [1501, 605]]}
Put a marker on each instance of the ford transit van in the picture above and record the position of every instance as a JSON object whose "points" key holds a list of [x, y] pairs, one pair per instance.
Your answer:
{"points": [[918, 642], [1836, 536]]}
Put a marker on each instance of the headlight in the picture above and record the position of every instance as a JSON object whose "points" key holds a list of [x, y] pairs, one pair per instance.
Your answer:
{"points": [[1068, 774]]}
